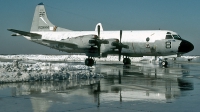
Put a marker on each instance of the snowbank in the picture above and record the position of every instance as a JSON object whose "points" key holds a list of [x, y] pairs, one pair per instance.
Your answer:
{"points": [[22, 72]]}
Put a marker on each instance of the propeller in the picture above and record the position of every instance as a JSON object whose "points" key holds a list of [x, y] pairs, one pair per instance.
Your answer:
{"points": [[119, 45], [97, 41]]}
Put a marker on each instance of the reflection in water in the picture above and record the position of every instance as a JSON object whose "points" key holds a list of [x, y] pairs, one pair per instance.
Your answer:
{"points": [[123, 84], [185, 85]]}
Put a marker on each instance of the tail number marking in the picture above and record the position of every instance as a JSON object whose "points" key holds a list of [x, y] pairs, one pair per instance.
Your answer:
{"points": [[43, 27]]}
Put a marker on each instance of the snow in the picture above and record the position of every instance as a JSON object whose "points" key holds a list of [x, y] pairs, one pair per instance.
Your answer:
{"points": [[21, 72], [29, 68]]}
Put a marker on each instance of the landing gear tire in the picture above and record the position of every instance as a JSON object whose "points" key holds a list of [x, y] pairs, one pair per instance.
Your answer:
{"points": [[164, 63], [126, 61], [89, 62]]}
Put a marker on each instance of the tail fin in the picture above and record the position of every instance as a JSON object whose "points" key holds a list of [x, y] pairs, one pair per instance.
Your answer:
{"points": [[41, 22]]}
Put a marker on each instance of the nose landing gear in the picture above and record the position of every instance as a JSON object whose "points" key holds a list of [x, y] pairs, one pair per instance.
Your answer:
{"points": [[164, 63], [126, 61]]}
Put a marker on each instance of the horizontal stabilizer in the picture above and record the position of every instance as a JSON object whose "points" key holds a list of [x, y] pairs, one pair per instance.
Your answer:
{"points": [[23, 33], [71, 45]]}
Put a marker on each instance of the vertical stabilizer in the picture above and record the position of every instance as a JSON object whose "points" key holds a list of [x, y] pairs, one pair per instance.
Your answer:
{"points": [[41, 22]]}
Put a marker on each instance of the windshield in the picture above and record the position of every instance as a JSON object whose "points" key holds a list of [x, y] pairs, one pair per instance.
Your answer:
{"points": [[177, 37]]}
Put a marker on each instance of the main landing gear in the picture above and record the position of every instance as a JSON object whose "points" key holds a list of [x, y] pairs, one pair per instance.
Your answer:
{"points": [[89, 61], [164, 62], [127, 61]]}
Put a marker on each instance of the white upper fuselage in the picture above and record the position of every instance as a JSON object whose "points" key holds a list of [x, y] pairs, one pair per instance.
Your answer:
{"points": [[127, 36], [136, 40]]}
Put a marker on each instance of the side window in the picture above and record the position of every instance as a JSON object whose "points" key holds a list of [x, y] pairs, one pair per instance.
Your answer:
{"points": [[168, 37]]}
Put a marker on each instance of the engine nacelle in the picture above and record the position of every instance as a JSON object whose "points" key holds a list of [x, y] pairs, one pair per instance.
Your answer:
{"points": [[110, 46]]}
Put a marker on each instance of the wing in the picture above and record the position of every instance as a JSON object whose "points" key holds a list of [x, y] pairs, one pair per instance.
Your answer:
{"points": [[71, 45], [23, 33]]}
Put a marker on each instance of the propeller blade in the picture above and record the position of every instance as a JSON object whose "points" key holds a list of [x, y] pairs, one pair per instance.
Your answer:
{"points": [[120, 50], [99, 50], [99, 45], [99, 31], [125, 46], [120, 36]]}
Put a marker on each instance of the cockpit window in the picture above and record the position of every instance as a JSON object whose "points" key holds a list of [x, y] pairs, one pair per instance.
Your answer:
{"points": [[168, 37], [168, 33], [177, 37]]}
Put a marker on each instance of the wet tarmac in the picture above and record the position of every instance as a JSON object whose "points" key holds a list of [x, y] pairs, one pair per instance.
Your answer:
{"points": [[140, 87]]}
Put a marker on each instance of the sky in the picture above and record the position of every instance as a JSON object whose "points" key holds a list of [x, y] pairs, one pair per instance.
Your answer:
{"points": [[181, 16]]}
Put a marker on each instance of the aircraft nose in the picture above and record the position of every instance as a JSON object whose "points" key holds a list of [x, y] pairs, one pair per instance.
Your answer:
{"points": [[185, 47]]}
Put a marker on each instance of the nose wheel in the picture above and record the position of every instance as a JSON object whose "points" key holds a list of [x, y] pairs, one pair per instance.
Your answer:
{"points": [[164, 63], [126, 61], [89, 61]]}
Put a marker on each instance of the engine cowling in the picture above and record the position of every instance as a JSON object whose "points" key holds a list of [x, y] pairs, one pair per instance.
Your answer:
{"points": [[110, 46]]}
